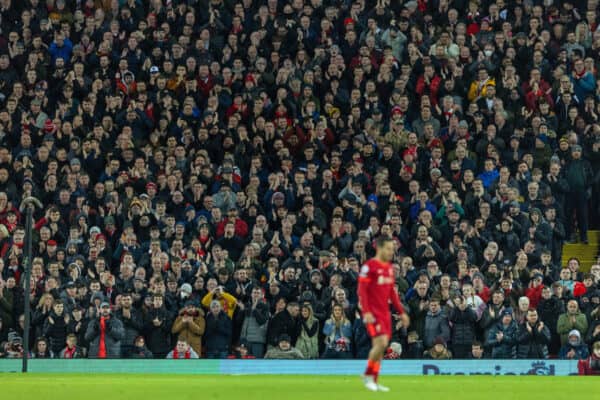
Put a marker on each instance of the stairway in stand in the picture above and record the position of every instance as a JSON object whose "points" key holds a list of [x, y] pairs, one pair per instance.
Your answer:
{"points": [[587, 254]]}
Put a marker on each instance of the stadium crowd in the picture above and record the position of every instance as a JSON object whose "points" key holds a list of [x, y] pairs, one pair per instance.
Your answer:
{"points": [[214, 172]]}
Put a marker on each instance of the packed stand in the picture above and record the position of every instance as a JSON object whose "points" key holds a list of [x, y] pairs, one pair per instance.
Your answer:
{"points": [[213, 175]]}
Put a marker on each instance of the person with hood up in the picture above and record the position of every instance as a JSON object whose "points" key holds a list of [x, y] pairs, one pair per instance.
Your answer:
{"points": [[574, 349]]}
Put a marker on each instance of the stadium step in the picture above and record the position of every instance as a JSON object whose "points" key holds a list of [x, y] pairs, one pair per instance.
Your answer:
{"points": [[587, 254]]}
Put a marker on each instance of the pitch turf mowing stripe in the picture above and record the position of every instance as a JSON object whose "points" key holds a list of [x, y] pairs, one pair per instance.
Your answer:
{"points": [[301, 387]]}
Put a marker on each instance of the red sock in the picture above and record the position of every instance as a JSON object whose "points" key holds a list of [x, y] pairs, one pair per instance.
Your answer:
{"points": [[376, 368], [369, 370]]}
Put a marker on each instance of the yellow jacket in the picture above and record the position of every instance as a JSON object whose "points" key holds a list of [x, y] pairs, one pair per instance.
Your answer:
{"points": [[228, 302], [476, 90]]}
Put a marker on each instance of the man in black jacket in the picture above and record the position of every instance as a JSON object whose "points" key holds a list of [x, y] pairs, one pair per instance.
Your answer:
{"points": [[218, 333], [157, 326], [132, 322], [55, 327], [285, 321], [549, 308], [579, 175], [463, 319], [533, 337]]}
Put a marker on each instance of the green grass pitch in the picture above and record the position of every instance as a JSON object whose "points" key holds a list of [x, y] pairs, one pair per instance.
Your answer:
{"points": [[266, 387]]}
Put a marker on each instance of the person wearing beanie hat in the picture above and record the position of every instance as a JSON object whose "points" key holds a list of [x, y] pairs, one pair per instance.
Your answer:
{"points": [[502, 337], [284, 350], [104, 334], [438, 351]]}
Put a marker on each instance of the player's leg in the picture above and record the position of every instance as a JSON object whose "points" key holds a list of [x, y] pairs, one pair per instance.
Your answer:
{"points": [[378, 346]]}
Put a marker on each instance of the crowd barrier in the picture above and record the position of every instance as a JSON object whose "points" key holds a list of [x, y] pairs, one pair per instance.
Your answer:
{"points": [[307, 367]]}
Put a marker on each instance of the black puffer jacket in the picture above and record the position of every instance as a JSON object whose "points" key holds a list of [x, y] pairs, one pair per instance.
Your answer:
{"points": [[56, 331], [463, 326], [158, 338], [549, 310], [217, 335], [133, 326], [533, 344]]}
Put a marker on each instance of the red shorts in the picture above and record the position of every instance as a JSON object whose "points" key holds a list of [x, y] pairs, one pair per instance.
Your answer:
{"points": [[382, 326]]}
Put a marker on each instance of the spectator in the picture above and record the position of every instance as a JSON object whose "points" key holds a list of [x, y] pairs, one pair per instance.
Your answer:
{"points": [[139, 349], [593, 334], [41, 349], [218, 332], [133, 323], [572, 319], [549, 309], [182, 351], [502, 337], [6, 304], [477, 351], [72, 350], [284, 350], [533, 337], [574, 349], [227, 301], [104, 334], [590, 365], [439, 351], [255, 325], [157, 327], [230, 149], [436, 324], [189, 327], [582, 79], [579, 175], [308, 340], [55, 327], [463, 321], [285, 321], [338, 335]]}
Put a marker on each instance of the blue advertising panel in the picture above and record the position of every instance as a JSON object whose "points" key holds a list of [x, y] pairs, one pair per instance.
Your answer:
{"points": [[307, 367]]}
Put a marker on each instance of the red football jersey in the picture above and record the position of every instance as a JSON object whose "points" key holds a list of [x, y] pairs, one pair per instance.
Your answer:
{"points": [[376, 289]]}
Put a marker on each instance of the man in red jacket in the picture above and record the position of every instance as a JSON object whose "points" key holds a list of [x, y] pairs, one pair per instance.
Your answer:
{"points": [[428, 84], [241, 227], [534, 291]]}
